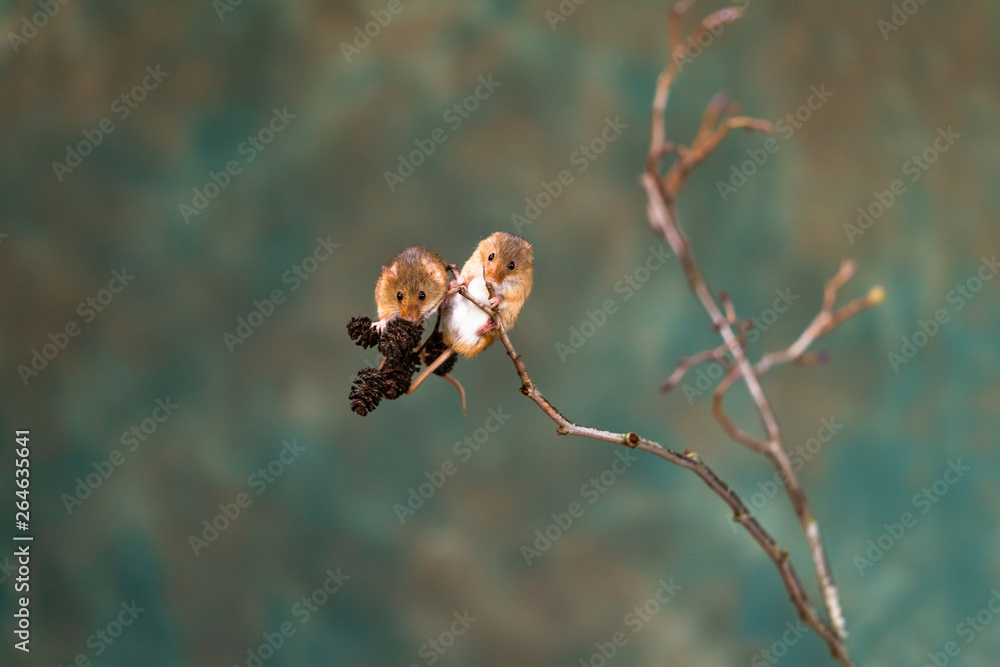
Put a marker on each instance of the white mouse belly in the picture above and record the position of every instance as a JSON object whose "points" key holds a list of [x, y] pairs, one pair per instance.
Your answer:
{"points": [[462, 318]]}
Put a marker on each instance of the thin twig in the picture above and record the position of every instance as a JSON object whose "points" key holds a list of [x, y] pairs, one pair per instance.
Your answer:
{"points": [[662, 189], [662, 192], [689, 461], [662, 213], [826, 321], [686, 364]]}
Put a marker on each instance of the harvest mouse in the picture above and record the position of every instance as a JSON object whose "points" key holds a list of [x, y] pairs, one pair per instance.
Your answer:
{"points": [[506, 262], [411, 286]]}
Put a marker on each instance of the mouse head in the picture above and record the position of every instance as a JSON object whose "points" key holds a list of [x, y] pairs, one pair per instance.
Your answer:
{"points": [[506, 258], [415, 284]]}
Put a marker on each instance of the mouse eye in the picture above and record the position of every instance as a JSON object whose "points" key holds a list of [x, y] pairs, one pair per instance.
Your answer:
{"points": [[511, 266], [491, 257], [421, 296], [399, 296]]}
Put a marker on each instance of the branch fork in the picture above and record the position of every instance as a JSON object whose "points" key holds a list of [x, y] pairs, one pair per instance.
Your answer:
{"points": [[662, 187]]}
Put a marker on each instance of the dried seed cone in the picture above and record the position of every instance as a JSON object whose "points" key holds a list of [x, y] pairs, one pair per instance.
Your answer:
{"points": [[361, 332], [397, 345], [399, 338], [397, 373], [434, 348], [367, 390]]}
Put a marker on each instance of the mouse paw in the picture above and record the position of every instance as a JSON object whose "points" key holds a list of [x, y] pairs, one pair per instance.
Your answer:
{"points": [[486, 327], [457, 283], [495, 301], [380, 326]]}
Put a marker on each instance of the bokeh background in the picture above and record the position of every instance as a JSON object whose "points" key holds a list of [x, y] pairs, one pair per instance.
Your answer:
{"points": [[228, 68]]}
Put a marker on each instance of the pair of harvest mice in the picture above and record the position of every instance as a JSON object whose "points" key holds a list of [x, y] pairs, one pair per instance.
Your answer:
{"points": [[415, 284]]}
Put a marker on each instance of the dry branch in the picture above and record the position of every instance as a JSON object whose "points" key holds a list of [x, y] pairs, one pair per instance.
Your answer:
{"points": [[689, 461], [662, 189]]}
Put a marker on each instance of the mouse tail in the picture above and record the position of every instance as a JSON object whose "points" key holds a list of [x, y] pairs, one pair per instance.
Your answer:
{"points": [[458, 385], [444, 356]]}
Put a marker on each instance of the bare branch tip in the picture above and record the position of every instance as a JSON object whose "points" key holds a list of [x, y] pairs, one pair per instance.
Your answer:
{"points": [[759, 125], [720, 100], [729, 14], [812, 359]]}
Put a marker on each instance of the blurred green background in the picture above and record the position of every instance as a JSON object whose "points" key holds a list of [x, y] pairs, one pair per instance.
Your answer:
{"points": [[347, 111]]}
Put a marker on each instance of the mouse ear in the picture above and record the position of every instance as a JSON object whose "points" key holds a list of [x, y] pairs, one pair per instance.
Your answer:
{"points": [[391, 269]]}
